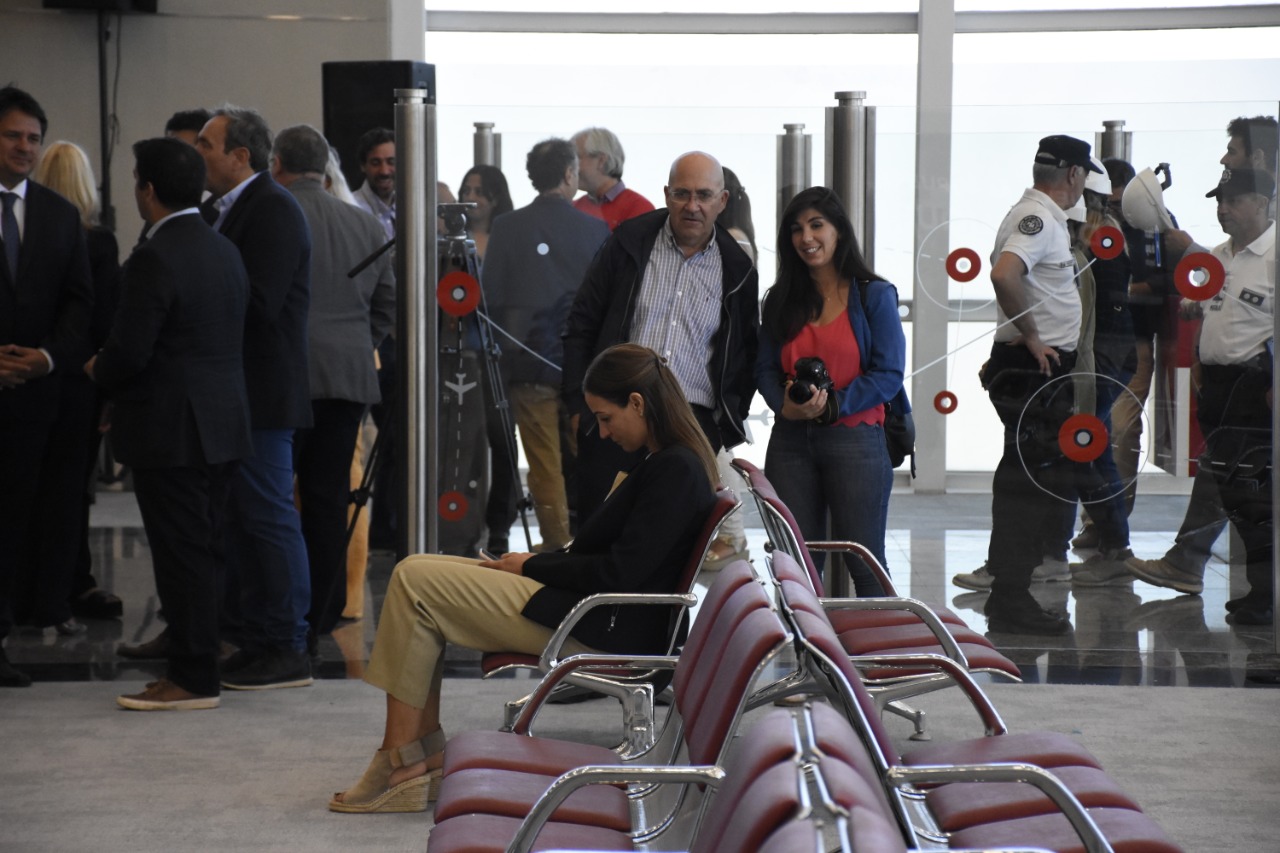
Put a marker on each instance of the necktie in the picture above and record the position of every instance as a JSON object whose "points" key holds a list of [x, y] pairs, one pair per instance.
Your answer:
{"points": [[9, 233]]}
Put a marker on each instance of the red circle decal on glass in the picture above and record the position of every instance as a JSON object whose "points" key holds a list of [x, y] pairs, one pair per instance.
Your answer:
{"points": [[970, 272], [458, 293], [945, 402], [1106, 243], [452, 506], [1082, 438], [1215, 276]]}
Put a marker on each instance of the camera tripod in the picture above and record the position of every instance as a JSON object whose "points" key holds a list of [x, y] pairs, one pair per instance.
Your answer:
{"points": [[457, 253]]}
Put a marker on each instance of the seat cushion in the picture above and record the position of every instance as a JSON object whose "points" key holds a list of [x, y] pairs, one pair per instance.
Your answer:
{"points": [[482, 833], [1127, 832], [513, 794], [494, 661], [884, 618], [1044, 749], [963, 804], [503, 750], [868, 641], [979, 658]]}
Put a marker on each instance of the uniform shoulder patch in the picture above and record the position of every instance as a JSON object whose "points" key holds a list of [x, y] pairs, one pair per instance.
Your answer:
{"points": [[1031, 224]]}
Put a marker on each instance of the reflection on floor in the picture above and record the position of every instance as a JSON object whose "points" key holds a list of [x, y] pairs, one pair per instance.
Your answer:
{"points": [[1132, 634]]}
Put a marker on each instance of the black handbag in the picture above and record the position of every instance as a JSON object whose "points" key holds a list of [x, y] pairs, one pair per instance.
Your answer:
{"points": [[900, 431], [899, 426]]}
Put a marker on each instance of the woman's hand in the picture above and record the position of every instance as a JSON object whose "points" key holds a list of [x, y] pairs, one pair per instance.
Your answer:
{"points": [[806, 411], [512, 562]]}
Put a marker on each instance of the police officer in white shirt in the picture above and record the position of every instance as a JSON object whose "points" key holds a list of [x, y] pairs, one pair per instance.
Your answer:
{"points": [[1233, 403], [1034, 276]]}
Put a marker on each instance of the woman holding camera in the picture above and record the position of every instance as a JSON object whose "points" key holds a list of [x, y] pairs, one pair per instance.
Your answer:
{"points": [[827, 365]]}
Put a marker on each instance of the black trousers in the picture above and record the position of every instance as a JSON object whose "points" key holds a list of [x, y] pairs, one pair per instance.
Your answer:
{"points": [[181, 511], [322, 464], [56, 533], [22, 446], [1033, 478], [1237, 425]]}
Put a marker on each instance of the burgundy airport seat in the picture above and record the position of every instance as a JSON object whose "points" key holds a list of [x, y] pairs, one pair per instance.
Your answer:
{"points": [[628, 687], [1039, 789], [887, 626], [503, 775]]}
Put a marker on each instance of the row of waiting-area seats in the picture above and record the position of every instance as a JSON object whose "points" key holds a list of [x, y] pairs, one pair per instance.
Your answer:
{"points": [[722, 776]]}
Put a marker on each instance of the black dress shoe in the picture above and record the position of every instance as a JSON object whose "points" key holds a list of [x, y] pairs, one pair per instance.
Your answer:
{"points": [[97, 604], [1251, 614], [1026, 619], [10, 677], [154, 649]]}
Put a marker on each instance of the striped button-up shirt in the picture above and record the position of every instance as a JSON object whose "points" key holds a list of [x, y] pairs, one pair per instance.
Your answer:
{"points": [[678, 311]]}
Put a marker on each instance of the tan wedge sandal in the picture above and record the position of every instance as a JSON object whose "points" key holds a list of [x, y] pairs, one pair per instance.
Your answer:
{"points": [[372, 794]]}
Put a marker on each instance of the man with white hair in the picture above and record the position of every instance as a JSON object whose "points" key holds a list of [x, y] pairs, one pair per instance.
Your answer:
{"points": [[1038, 328], [600, 159]]}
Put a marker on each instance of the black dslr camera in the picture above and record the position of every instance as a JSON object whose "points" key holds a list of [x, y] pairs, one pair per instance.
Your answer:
{"points": [[811, 377]]}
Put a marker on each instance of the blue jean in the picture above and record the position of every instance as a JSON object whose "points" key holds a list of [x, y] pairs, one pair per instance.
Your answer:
{"points": [[266, 546], [843, 471], [1100, 489]]}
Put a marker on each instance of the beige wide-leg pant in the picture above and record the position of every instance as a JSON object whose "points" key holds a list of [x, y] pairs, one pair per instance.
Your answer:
{"points": [[436, 599]]}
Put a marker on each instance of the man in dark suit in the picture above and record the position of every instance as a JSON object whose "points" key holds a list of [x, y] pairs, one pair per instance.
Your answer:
{"points": [[267, 552], [347, 321], [173, 366], [46, 299]]}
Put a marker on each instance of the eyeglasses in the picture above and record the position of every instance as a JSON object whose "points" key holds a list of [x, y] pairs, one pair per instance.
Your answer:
{"points": [[682, 195]]}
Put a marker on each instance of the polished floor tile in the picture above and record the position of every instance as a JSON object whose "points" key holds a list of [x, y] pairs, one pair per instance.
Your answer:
{"points": [[1133, 634]]}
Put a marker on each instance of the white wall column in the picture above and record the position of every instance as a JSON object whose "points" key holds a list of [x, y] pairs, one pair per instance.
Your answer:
{"points": [[937, 23], [406, 30]]}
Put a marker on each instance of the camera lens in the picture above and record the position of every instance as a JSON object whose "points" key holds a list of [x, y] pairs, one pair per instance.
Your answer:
{"points": [[800, 391]]}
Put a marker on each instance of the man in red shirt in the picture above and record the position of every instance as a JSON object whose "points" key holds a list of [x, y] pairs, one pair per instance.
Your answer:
{"points": [[600, 159]]}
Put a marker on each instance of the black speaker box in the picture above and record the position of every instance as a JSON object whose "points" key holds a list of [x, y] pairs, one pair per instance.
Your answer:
{"points": [[148, 6], [359, 96]]}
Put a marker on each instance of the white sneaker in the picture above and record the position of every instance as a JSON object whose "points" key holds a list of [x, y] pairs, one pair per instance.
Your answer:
{"points": [[1051, 570], [1107, 568], [979, 579]]}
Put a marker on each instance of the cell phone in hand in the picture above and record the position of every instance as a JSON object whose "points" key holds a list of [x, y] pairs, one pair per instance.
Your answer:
{"points": [[486, 555]]}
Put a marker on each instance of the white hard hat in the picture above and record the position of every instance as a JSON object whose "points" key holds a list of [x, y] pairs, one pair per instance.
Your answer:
{"points": [[1143, 203], [1078, 212], [1097, 181]]}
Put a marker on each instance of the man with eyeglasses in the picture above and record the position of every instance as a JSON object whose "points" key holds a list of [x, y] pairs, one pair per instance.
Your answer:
{"points": [[672, 281]]}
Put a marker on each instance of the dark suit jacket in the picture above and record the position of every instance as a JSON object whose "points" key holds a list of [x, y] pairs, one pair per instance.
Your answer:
{"points": [[536, 259], [173, 362], [50, 304], [269, 229], [637, 541]]}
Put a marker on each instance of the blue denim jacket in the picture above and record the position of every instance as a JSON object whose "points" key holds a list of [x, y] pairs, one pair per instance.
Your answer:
{"points": [[881, 343]]}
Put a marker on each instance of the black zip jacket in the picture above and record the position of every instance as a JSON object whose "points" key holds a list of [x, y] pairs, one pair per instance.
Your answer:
{"points": [[605, 305]]}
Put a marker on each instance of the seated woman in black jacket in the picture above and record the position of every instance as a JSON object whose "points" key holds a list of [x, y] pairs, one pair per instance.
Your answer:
{"points": [[637, 541]]}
